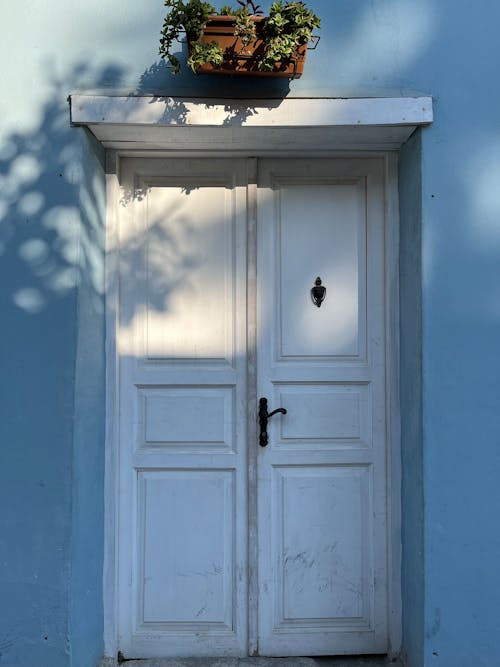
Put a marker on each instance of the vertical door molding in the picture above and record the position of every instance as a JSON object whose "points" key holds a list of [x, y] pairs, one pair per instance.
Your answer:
{"points": [[110, 585], [253, 582], [393, 409]]}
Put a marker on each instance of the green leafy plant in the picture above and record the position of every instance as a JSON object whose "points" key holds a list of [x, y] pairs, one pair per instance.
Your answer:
{"points": [[244, 26], [288, 26], [202, 53], [189, 17]]}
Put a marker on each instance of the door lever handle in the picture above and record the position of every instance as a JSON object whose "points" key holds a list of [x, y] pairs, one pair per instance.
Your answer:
{"points": [[264, 416]]}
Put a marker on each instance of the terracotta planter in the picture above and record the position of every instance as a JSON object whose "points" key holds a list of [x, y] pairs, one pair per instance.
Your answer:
{"points": [[240, 60]]}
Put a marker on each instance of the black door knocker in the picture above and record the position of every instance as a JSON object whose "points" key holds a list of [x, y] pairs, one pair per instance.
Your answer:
{"points": [[318, 292]]}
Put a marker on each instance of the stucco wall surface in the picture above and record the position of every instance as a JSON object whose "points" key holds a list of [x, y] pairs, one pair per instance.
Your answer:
{"points": [[51, 305]]}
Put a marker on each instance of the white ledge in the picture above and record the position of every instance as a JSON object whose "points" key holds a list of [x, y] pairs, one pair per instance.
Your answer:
{"points": [[290, 112], [163, 122]]}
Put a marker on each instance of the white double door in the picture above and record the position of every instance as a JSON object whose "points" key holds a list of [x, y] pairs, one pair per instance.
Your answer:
{"points": [[226, 547]]}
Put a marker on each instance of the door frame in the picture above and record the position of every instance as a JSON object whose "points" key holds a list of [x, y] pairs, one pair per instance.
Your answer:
{"points": [[391, 288]]}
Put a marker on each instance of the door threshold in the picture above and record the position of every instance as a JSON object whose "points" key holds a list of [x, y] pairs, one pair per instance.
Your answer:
{"points": [[350, 661]]}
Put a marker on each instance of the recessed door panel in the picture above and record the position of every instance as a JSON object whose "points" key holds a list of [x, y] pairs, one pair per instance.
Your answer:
{"points": [[186, 529], [186, 418], [338, 415], [189, 267], [324, 574], [315, 240]]}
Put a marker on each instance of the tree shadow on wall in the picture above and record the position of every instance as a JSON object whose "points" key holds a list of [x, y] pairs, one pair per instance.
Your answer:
{"points": [[51, 203], [158, 80], [52, 207], [162, 86]]}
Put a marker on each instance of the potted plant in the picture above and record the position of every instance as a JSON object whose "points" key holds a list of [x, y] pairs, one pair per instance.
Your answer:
{"points": [[240, 41]]}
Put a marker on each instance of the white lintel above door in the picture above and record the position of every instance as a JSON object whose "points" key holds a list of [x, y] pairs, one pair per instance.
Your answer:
{"points": [[259, 126]]}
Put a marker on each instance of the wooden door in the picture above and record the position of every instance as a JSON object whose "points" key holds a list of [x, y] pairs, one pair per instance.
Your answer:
{"points": [[322, 477], [184, 453], [182, 362]]}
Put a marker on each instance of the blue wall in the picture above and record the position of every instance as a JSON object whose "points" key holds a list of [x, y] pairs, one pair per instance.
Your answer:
{"points": [[461, 333], [86, 558], [51, 220], [52, 389], [41, 274]]}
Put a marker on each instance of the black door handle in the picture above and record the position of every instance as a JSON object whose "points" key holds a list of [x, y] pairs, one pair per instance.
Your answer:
{"points": [[264, 415]]}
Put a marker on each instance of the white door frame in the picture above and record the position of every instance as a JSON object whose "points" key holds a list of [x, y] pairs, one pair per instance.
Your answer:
{"points": [[392, 375]]}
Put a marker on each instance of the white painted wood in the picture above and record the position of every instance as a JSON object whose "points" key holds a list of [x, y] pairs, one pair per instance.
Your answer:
{"points": [[253, 581], [256, 141], [189, 272], [181, 345], [393, 403], [186, 535], [338, 415], [187, 417], [341, 329], [322, 499], [250, 127], [339, 458], [111, 488], [288, 112], [323, 577]]}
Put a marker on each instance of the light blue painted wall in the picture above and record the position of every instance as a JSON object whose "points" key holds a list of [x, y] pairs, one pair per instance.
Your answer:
{"points": [[38, 316], [52, 390], [52, 407], [461, 333], [86, 561]]}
